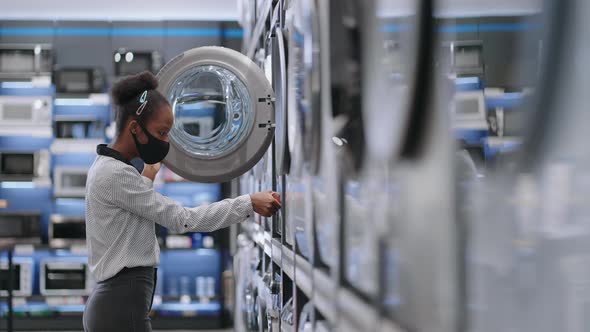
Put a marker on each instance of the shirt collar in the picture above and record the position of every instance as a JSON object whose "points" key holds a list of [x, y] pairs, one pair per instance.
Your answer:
{"points": [[104, 150]]}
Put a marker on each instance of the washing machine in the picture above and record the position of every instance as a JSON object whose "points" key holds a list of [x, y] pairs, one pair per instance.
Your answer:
{"points": [[302, 121], [343, 24], [304, 102], [395, 43], [532, 249], [279, 53], [404, 184], [282, 155], [243, 97]]}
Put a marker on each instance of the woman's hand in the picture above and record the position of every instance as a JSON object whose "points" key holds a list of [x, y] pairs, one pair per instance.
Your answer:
{"points": [[266, 203], [150, 171]]}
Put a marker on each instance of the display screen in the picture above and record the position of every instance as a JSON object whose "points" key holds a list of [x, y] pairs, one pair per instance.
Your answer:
{"points": [[65, 278], [75, 180], [74, 81], [17, 163], [467, 106], [139, 63], [19, 226], [4, 276], [70, 230], [79, 129], [17, 112], [17, 61], [468, 57]]}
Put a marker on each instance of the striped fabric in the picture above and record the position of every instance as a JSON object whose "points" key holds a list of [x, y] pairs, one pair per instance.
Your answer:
{"points": [[122, 207]]}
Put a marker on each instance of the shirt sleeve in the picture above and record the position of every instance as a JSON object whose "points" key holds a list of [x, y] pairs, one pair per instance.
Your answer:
{"points": [[135, 193]]}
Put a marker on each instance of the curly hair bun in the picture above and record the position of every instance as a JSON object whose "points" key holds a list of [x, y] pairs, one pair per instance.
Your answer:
{"points": [[132, 86]]}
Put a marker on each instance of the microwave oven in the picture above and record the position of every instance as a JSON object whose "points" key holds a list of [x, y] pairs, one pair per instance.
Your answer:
{"points": [[65, 276], [128, 62], [25, 111], [70, 80], [24, 227], [66, 230], [69, 181], [465, 58], [24, 166], [78, 127], [469, 110], [22, 277], [24, 61]]}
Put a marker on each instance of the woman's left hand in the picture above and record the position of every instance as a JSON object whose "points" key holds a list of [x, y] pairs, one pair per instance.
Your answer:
{"points": [[150, 171]]}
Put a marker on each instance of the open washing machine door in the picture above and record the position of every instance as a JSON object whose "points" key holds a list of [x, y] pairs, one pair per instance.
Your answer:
{"points": [[223, 111]]}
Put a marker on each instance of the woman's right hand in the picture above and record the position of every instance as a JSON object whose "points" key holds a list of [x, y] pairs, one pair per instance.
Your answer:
{"points": [[266, 203]]}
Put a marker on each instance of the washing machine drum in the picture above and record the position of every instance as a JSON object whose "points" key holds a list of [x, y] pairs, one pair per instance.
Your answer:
{"points": [[223, 114]]}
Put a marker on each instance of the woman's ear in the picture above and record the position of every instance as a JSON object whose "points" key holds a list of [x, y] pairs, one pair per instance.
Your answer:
{"points": [[133, 126]]}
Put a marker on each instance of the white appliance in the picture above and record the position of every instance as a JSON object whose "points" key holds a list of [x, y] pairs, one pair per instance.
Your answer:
{"points": [[69, 181], [65, 276], [25, 115], [22, 278], [469, 110]]}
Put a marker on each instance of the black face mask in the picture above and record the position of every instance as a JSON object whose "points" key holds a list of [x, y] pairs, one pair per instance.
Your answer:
{"points": [[154, 151]]}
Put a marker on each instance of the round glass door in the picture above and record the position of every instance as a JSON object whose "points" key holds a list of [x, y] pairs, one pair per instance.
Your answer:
{"points": [[223, 114]]}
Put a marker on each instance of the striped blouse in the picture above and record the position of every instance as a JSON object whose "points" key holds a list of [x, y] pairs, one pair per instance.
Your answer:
{"points": [[122, 208]]}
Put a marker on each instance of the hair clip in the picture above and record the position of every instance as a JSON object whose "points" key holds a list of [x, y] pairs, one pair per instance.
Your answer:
{"points": [[143, 100]]}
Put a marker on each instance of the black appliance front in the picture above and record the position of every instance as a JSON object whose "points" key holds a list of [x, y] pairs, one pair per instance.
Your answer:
{"points": [[71, 80], [23, 226]]}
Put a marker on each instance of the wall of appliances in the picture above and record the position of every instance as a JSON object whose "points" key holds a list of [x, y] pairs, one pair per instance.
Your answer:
{"points": [[430, 166], [53, 114]]}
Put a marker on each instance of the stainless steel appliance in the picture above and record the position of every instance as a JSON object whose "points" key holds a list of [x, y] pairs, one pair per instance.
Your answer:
{"points": [[69, 181], [65, 276], [22, 277], [71, 80], [24, 227], [25, 61], [77, 133], [129, 62], [465, 58], [66, 231], [24, 166]]}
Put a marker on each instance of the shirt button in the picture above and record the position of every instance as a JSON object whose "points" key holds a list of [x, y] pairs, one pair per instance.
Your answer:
{"points": [[185, 226], [248, 216]]}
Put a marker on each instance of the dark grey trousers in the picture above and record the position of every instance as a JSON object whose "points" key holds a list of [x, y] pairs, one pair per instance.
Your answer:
{"points": [[122, 303]]}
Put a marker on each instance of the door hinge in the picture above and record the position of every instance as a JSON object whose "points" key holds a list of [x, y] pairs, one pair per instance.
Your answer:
{"points": [[268, 125], [267, 99]]}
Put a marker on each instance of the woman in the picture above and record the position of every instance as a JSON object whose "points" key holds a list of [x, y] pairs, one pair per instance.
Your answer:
{"points": [[122, 209]]}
